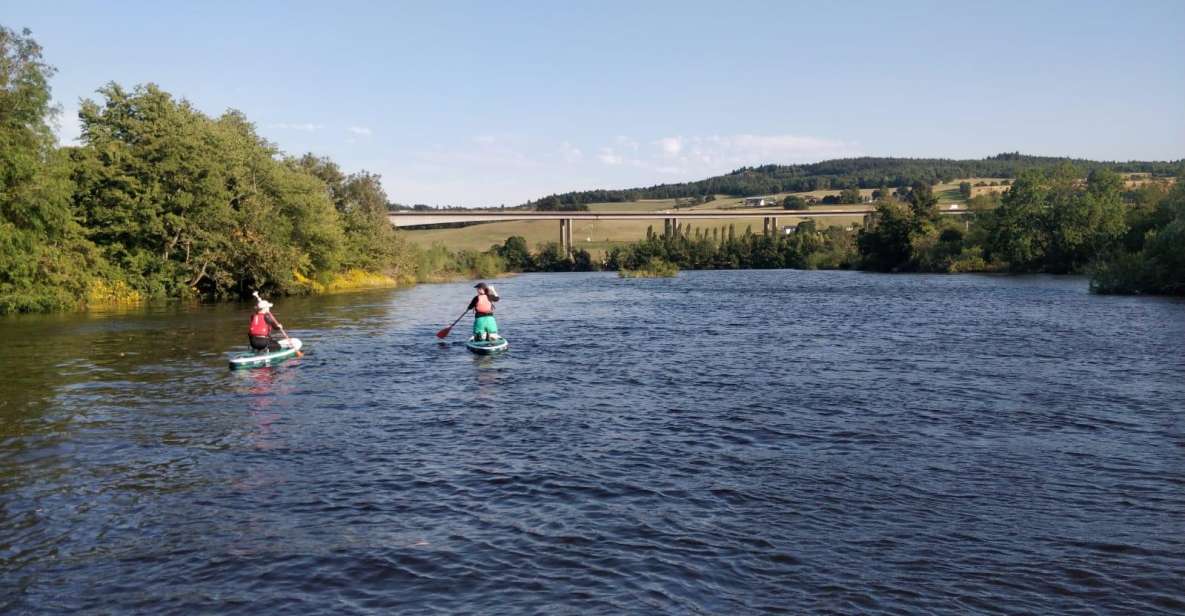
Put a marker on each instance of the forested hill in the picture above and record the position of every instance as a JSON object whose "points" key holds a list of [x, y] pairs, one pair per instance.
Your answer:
{"points": [[866, 172]]}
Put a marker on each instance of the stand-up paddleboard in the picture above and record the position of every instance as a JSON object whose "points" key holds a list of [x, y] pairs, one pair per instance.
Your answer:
{"points": [[487, 347], [290, 348]]}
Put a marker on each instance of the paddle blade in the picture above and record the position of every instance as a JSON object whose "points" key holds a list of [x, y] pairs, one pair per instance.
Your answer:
{"points": [[444, 332]]}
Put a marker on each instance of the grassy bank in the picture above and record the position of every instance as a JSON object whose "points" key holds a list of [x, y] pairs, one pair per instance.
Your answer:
{"points": [[654, 268]]}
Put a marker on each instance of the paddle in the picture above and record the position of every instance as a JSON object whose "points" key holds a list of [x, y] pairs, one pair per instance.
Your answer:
{"points": [[444, 332]]}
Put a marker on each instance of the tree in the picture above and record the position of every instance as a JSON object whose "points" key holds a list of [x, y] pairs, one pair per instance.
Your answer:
{"points": [[1051, 222], [186, 204], [515, 252], [1016, 228], [922, 202], [965, 190], [45, 263], [888, 247], [1085, 224], [850, 195], [1158, 266]]}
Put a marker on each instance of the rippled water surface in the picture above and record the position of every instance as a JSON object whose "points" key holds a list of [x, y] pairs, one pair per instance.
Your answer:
{"points": [[720, 443]]}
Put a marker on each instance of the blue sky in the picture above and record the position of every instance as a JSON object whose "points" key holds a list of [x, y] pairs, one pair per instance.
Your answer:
{"points": [[499, 102]]}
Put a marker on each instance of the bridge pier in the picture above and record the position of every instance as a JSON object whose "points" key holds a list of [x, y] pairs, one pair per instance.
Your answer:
{"points": [[566, 236]]}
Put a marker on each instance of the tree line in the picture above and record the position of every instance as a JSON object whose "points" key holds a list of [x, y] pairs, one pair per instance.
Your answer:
{"points": [[1050, 221], [161, 200], [856, 173]]}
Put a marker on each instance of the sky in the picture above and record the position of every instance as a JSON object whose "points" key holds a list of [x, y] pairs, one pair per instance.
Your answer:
{"points": [[488, 103]]}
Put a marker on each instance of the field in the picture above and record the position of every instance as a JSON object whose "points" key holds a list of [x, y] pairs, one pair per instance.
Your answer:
{"points": [[599, 236]]}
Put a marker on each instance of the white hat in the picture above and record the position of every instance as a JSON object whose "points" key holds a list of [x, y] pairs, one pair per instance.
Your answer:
{"points": [[263, 304]]}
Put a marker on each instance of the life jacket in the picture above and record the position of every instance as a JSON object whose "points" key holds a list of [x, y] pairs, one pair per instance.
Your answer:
{"points": [[259, 326], [484, 305]]}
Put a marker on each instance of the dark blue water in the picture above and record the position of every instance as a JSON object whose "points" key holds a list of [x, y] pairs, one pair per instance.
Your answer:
{"points": [[721, 443]]}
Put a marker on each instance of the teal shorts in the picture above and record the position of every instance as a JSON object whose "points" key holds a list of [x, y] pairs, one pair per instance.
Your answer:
{"points": [[484, 325]]}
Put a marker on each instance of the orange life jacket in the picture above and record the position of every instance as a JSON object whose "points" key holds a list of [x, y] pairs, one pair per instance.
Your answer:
{"points": [[259, 326], [484, 306]]}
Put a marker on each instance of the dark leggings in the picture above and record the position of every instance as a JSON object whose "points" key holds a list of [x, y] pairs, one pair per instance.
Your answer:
{"points": [[264, 343]]}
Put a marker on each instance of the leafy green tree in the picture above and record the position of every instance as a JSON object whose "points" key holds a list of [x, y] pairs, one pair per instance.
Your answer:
{"points": [[185, 204], [45, 263], [850, 195], [551, 258], [965, 190], [1050, 222], [923, 204], [1158, 266], [1016, 230], [1089, 225], [794, 202], [371, 241], [888, 246], [515, 252]]}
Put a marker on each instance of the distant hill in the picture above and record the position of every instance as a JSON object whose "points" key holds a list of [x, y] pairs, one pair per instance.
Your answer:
{"points": [[865, 172]]}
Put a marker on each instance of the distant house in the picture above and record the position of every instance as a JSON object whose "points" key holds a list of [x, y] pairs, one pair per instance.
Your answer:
{"points": [[759, 201]]}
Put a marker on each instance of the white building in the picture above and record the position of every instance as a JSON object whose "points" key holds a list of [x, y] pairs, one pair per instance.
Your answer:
{"points": [[759, 201]]}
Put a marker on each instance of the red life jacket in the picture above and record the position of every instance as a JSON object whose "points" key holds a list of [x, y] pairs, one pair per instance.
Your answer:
{"points": [[259, 326], [484, 306]]}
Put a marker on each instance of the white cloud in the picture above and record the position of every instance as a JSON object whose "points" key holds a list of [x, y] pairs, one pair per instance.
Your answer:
{"points": [[360, 130], [570, 153], [489, 169], [626, 143], [610, 157], [718, 154], [670, 146], [307, 127]]}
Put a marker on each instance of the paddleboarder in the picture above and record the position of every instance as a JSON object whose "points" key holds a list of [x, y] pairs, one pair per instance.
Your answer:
{"points": [[259, 334], [482, 305]]}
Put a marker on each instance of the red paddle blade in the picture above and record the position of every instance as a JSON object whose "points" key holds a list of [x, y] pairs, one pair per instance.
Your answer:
{"points": [[444, 332]]}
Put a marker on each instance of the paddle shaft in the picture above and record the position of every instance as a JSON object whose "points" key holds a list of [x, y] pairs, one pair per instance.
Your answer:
{"points": [[444, 332]]}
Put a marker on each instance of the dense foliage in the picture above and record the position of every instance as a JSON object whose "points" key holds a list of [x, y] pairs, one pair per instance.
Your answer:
{"points": [[160, 200], [1051, 221], [45, 262], [1152, 259]]}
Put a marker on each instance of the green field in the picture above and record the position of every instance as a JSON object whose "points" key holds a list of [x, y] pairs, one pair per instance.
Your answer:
{"points": [[595, 236], [599, 236]]}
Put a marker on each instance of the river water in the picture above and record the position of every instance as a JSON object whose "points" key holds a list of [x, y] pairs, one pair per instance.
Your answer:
{"points": [[727, 442]]}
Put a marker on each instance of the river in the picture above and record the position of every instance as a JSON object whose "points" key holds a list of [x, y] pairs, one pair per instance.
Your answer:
{"points": [[728, 442]]}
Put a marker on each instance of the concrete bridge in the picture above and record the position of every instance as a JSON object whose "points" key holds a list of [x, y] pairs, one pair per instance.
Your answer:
{"points": [[671, 218]]}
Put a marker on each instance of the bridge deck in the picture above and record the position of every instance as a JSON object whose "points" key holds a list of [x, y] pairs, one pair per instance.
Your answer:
{"points": [[414, 219]]}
